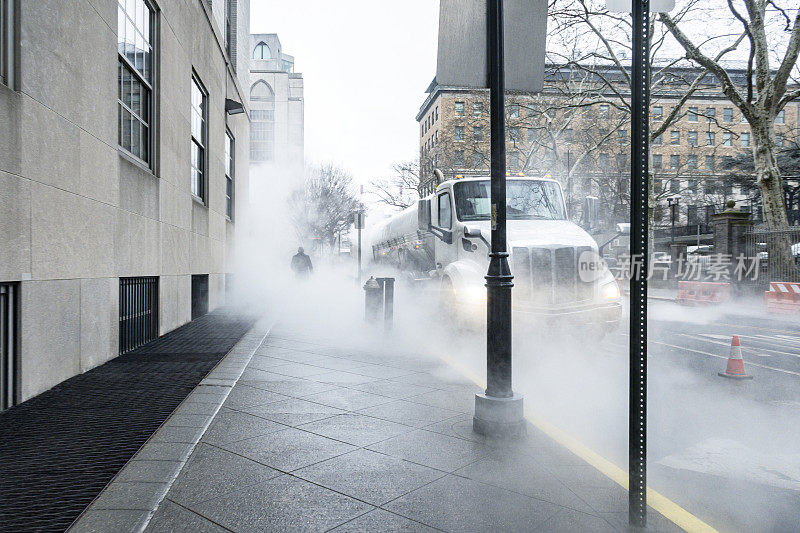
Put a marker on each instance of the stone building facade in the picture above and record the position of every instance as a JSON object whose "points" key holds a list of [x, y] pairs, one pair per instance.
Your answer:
{"points": [[121, 159], [277, 117], [581, 137]]}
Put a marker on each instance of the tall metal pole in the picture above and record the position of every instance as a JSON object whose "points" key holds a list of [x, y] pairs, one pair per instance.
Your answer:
{"points": [[360, 216], [498, 278], [637, 399]]}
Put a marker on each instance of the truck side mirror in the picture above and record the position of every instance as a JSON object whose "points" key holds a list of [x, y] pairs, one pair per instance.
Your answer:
{"points": [[424, 214], [472, 232]]}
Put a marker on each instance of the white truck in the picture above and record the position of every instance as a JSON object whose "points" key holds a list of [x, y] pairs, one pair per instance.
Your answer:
{"points": [[558, 274]]}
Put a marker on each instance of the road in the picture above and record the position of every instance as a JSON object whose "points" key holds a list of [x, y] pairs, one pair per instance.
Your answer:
{"points": [[727, 451]]}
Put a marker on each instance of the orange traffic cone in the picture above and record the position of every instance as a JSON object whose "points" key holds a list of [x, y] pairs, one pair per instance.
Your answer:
{"points": [[735, 368]]}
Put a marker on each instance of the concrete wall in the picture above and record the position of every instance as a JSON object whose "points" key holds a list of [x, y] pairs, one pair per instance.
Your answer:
{"points": [[76, 213]]}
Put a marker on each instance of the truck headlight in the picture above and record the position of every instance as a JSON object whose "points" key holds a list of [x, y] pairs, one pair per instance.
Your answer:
{"points": [[609, 291]]}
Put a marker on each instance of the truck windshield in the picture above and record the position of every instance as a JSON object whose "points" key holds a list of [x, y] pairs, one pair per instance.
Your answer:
{"points": [[525, 200]]}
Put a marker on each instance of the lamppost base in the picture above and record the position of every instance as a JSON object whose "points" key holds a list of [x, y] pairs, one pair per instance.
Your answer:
{"points": [[499, 417]]}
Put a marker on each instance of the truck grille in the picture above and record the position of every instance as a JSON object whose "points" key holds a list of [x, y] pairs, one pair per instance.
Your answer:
{"points": [[549, 276]]}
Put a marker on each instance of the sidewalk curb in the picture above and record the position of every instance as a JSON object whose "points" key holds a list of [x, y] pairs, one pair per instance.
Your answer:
{"points": [[135, 493]]}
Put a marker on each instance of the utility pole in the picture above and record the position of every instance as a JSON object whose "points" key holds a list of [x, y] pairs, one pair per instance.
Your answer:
{"points": [[498, 412]]}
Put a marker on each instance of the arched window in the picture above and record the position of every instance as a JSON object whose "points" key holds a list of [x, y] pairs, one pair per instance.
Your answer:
{"points": [[261, 51], [261, 92]]}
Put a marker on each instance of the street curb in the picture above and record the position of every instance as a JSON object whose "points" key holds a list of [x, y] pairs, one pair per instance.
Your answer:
{"points": [[134, 495]]}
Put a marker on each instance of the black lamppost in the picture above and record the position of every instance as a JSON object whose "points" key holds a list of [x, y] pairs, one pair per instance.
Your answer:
{"points": [[673, 202], [498, 411]]}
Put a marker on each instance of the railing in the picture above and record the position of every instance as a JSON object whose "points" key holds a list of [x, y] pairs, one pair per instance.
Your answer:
{"points": [[9, 345], [778, 253], [138, 312], [665, 232]]}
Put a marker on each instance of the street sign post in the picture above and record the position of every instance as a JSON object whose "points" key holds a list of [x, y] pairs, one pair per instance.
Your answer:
{"points": [[463, 58]]}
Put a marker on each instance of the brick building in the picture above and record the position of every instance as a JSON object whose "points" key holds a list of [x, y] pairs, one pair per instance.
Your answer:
{"points": [[577, 130]]}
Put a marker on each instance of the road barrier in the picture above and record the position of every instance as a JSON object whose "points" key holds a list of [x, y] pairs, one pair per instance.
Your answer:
{"points": [[735, 367], [703, 292], [783, 297]]}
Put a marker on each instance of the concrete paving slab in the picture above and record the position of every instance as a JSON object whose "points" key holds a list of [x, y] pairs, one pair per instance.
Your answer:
{"points": [[285, 503], [289, 449], [347, 399], [105, 520], [393, 389], [458, 504], [172, 518], [356, 429], [244, 396], [212, 472], [409, 413], [230, 426], [432, 449], [382, 521], [293, 411], [369, 476]]}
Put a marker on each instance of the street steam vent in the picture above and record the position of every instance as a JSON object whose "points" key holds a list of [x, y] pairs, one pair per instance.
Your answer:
{"points": [[288, 266]]}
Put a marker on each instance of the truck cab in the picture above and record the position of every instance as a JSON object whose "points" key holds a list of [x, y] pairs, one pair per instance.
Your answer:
{"points": [[558, 273]]}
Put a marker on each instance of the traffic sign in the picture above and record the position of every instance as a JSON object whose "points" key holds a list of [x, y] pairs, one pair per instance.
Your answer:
{"points": [[626, 6], [462, 56]]}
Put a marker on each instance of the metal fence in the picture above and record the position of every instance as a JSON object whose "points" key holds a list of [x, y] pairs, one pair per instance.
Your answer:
{"points": [[778, 253], [199, 295], [138, 312], [9, 345]]}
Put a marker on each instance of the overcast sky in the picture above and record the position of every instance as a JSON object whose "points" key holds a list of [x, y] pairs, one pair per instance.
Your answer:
{"points": [[366, 65]]}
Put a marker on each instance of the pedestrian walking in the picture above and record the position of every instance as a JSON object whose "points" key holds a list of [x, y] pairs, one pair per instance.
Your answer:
{"points": [[301, 264]]}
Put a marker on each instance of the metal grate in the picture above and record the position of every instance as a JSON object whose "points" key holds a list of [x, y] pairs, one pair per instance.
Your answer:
{"points": [[138, 312], [59, 449], [9, 345], [199, 295]]}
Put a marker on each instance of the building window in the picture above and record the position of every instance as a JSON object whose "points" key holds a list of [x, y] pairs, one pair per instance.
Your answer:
{"points": [[674, 161], [199, 119], [514, 110], [6, 42], [691, 162], [229, 34], [477, 159], [711, 114], [569, 135], [477, 109], [675, 137], [675, 185], [658, 140], [657, 161], [9, 344], [658, 112], [727, 138], [262, 51], [779, 139], [710, 164], [437, 113], [745, 139], [230, 146], [691, 215], [711, 138], [458, 134], [727, 114], [458, 158], [693, 185], [622, 136], [262, 122], [287, 66], [602, 161], [513, 160], [459, 109], [135, 72], [138, 312], [744, 119], [692, 114], [692, 138], [605, 111], [513, 134], [477, 134], [622, 162], [780, 118]]}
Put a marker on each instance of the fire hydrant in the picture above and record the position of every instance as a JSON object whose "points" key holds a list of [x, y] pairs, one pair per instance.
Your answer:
{"points": [[373, 299]]}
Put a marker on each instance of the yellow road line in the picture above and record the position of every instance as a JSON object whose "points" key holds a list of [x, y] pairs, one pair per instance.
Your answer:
{"points": [[669, 509]]}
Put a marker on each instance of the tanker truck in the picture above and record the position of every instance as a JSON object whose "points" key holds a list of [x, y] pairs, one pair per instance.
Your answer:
{"points": [[558, 274]]}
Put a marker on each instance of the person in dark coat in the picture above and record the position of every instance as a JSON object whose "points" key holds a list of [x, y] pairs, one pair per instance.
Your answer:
{"points": [[301, 264]]}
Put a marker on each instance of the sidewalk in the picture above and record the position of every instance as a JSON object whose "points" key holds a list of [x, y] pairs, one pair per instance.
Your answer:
{"points": [[315, 436]]}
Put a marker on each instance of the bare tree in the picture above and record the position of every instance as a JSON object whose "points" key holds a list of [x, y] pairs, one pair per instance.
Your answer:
{"points": [[401, 189], [325, 206], [773, 34]]}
